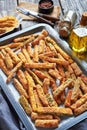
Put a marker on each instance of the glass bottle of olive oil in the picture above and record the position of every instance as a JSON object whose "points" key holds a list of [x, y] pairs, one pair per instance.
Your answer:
{"points": [[78, 36], [78, 39]]}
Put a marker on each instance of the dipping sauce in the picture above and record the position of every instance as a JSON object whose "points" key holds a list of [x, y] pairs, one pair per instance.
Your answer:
{"points": [[46, 4]]}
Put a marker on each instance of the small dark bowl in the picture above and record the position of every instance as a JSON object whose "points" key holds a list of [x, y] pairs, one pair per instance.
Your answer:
{"points": [[45, 6]]}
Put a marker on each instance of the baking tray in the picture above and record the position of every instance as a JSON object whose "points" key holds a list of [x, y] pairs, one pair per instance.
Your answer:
{"points": [[12, 93]]}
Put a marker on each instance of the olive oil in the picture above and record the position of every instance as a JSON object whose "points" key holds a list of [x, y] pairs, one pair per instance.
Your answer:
{"points": [[78, 40]]}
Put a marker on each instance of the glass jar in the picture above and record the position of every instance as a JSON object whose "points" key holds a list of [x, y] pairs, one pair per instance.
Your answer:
{"points": [[78, 39], [78, 36]]}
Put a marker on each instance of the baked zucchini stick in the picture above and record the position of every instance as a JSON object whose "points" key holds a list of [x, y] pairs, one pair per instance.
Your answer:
{"points": [[30, 51], [37, 99], [22, 57], [13, 72], [51, 100], [50, 54], [8, 61], [83, 86], [27, 56], [76, 69], [54, 110], [25, 43], [3, 52], [22, 79], [79, 102], [25, 104], [35, 54], [20, 88], [30, 90], [41, 36], [54, 73], [13, 55], [1, 56], [75, 91], [40, 74], [49, 39], [45, 85], [24, 38], [62, 87], [34, 76], [84, 78], [12, 45], [81, 109], [47, 123], [41, 46], [52, 48], [40, 65], [54, 60], [61, 71], [4, 67], [47, 49], [35, 116], [41, 95], [68, 99]]}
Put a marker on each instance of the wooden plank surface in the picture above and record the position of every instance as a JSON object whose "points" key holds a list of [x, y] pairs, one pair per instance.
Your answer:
{"points": [[78, 6]]}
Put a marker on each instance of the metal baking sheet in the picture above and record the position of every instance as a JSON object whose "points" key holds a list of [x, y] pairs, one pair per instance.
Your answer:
{"points": [[12, 93]]}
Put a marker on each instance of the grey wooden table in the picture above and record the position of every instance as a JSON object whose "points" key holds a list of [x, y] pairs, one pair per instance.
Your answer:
{"points": [[77, 5]]}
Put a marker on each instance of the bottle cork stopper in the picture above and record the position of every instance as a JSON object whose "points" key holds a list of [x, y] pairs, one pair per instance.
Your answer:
{"points": [[83, 21]]}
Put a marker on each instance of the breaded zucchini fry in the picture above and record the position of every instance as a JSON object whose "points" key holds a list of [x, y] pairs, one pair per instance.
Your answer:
{"points": [[13, 72], [41, 36], [54, 60], [35, 116], [13, 55], [30, 50], [54, 110], [22, 79], [37, 80], [30, 90], [51, 100], [75, 91], [40, 74], [68, 99], [81, 109], [41, 95], [62, 87], [27, 56], [49, 39], [83, 86], [20, 88], [46, 84], [12, 45], [46, 123], [79, 102], [35, 54], [25, 104], [22, 57], [24, 38], [76, 69], [54, 73], [8, 61], [50, 54], [41, 46], [37, 99], [40, 65], [3, 67]]}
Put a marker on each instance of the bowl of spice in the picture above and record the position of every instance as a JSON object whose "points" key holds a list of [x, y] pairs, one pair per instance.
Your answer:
{"points": [[45, 6]]}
